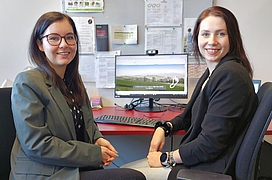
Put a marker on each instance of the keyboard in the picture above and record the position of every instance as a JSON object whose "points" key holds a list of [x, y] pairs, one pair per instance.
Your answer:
{"points": [[125, 120]]}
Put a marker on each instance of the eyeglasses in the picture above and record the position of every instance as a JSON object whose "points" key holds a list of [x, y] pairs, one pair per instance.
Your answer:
{"points": [[55, 39]]}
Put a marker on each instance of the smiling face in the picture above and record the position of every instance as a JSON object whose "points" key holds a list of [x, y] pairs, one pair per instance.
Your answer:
{"points": [[213, 39], [59, 56]]}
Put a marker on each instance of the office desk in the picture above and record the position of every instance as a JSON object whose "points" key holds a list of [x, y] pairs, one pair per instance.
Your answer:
{"points": [[114, 129], [126, 138], [269, 129]]}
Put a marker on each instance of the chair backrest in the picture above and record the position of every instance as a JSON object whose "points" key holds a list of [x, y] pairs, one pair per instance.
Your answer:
{"points": [[7, 132], [251, 144]]}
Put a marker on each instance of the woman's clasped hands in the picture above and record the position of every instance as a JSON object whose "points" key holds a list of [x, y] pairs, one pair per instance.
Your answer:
{"points": [[108, 152]]}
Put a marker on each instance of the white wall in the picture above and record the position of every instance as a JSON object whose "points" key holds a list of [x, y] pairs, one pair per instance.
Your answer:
{"points": [[254, 18], [17, 19]]}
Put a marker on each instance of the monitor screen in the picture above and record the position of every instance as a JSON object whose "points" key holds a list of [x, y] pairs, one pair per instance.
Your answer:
{"points": [[256, 84], [151, 76]]}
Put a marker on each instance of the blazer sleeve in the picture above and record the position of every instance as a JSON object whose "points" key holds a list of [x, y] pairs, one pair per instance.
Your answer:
{"points": [[45, 127]]}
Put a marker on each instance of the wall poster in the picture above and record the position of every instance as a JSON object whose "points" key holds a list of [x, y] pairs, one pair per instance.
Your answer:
{"points": [[86, 33], [83, 5]]}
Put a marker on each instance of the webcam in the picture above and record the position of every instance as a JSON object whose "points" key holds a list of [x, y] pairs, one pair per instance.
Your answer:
{"points": [[152, 52]]}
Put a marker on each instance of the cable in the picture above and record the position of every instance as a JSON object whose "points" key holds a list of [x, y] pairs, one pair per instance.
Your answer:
{"points": [[153, 117], [136, 102], [118, 106], [115, 164], [171, 142], [129, 106], [176, 108]]}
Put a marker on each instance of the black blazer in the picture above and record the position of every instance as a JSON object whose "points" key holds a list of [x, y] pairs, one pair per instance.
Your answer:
{"points": [[216, 116]]}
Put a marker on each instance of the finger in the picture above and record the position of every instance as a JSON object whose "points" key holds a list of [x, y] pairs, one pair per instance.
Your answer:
{"points": [[112, 153], [111, 159], [107, 164], [110, 147]]}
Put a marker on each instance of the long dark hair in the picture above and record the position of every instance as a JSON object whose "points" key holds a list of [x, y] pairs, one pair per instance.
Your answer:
{"points": [[38, 58], [235, 40]]}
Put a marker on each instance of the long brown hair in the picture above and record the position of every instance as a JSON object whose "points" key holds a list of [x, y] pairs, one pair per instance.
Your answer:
{"points": [[235, 39], [38, 58]]}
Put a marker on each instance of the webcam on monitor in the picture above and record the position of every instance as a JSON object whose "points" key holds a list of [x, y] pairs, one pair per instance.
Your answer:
{"points": [[152, 52]]}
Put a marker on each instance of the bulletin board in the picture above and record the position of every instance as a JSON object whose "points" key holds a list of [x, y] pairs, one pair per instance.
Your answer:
{"points": [[132, 12], [129, 13]]}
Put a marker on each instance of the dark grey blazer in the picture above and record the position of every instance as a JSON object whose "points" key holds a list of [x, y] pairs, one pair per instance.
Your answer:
{"points": [[46, 146], [216, 116]]}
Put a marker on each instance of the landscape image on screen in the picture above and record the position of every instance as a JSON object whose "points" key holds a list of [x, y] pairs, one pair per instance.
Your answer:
{"points": [[168, 77]]}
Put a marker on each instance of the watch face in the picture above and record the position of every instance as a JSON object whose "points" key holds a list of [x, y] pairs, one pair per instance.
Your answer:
{"points": [[163, 157]]}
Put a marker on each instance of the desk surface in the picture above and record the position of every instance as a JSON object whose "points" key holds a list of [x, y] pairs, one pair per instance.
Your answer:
{"points": [[114, 129]]}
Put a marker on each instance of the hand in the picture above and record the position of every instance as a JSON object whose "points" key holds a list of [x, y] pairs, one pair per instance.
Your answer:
{"points": [[108, 152], [108, 156], [158, 140], [105, 143], [153, 159]]}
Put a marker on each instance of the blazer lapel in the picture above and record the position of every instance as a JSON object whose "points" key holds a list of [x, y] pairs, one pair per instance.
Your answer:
{"points": [[63, 106], [195, 94]]}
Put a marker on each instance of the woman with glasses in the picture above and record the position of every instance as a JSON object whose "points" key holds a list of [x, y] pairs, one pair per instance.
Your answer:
{"points": [[57, 137]]}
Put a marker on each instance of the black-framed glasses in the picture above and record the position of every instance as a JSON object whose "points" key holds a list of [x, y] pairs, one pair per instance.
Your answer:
{"points": [[55, 39]]}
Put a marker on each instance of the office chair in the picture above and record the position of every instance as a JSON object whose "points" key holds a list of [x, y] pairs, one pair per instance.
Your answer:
{"points": [[7, 132], [247, 164]]}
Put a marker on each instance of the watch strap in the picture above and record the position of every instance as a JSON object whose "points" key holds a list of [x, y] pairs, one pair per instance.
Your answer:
{"points": [[172, 162], [166, 126]]}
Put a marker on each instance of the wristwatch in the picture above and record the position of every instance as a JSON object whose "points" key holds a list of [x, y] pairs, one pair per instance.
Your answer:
{"points": [[164, 159], [167, 159]]}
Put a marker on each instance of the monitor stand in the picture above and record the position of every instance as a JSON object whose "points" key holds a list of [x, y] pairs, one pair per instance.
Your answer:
{"points": [[150, 107]]}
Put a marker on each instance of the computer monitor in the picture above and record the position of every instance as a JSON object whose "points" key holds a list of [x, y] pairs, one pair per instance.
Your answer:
{"points": [[152, 77], [256, 84]]}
